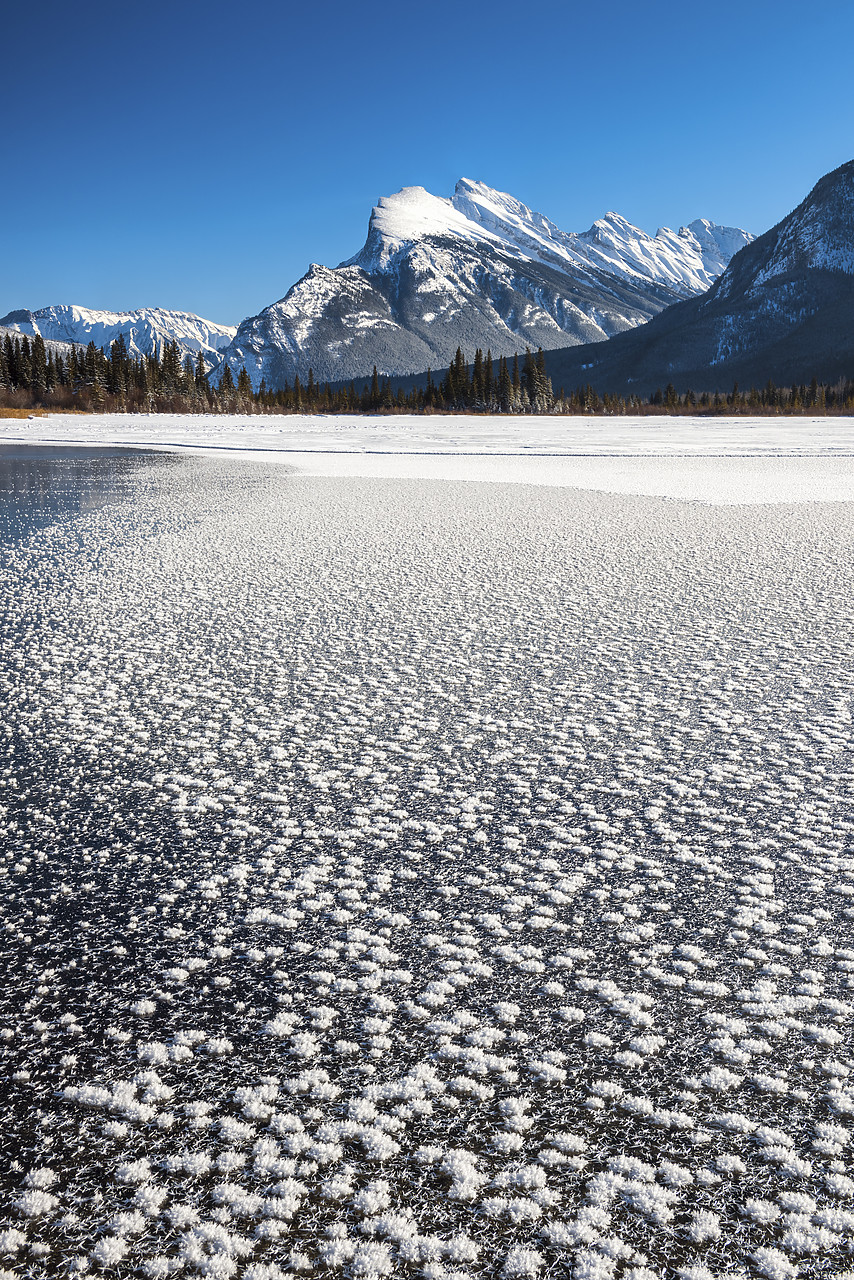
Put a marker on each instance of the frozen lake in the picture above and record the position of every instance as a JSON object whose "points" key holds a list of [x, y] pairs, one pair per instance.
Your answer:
{"points": [[405, 876], [733, 460]]}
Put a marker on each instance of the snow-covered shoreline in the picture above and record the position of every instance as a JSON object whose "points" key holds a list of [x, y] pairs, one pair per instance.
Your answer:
{"points": [[723, 460]]}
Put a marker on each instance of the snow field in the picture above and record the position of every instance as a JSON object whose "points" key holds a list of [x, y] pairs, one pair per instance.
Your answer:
{"points": [[737, 461], [429, 880]]}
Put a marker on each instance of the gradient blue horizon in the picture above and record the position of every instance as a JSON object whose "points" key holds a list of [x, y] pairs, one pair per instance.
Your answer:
{"points": [[199, 156]]}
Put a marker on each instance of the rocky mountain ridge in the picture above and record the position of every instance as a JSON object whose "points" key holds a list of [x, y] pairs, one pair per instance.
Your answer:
{"points": [[783, 309], [145, 330]]}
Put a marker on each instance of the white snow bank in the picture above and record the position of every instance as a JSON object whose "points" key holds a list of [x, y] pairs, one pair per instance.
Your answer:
{"points": [[727, 460]]}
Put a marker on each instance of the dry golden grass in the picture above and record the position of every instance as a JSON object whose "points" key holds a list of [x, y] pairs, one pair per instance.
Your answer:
{"points": [[6, 412]]}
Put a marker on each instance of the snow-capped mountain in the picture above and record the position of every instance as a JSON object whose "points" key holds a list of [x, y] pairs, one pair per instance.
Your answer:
{"points": [[145, 331], [480, 269], [784, 309]]}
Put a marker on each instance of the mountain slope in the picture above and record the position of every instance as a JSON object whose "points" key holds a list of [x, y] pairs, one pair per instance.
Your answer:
{"points": [[477, 270], [783, 309], [145, 331], [58, 348]]}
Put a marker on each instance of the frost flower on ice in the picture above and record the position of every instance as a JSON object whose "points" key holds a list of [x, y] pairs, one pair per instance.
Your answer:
{"points": [[461, 1167], [704, 1226], [372, 1259], [774, 1264], [34, 1204], [110, 1250], [522, 1262]]}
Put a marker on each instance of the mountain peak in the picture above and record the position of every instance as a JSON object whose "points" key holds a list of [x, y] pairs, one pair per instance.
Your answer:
{"points": [[405, 218]]}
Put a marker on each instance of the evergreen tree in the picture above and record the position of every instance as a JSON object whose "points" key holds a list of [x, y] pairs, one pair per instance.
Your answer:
{"points": [[171, 368], [10, 362], [244, 386], [478, 384], [38, 370], [201, 384], [118, 367], [226, 384], [25, 364], [91, 364], [505, 387]]}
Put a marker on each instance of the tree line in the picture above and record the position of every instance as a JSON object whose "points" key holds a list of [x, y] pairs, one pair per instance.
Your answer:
{"points": [[33, 376]]}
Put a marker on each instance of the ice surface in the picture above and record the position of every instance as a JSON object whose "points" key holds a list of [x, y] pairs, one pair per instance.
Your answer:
{"points": [[413, 878], [729, 460]]}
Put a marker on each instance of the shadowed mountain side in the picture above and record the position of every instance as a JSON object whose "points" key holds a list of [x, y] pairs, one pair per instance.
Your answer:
{"points": [[783, 309]]}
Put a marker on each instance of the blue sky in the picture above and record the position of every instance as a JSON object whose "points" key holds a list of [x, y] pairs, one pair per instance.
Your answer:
{"points": [[199, 156]]}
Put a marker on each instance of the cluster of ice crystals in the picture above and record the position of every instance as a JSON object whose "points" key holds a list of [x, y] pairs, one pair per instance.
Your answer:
{"points": [[426, 879]]}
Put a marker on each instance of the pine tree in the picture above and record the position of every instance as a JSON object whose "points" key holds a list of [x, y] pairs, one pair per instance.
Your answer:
{"points": [[25, 364], [10, 362], [244, 387], [38, 371], [226, 382], [201, 385], [505, 386], [90, 367], [171, 368], [478, 386], [118, 367]]}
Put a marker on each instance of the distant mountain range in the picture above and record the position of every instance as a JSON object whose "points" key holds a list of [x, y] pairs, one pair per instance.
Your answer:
{"points": [[612, 306], [477, 270], [145, 331], [783, 309]]}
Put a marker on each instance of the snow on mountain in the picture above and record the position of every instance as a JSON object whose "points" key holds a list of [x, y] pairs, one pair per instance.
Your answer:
{"points": [[783, 309], [145, 331], [58, 348], [478, 269]]}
